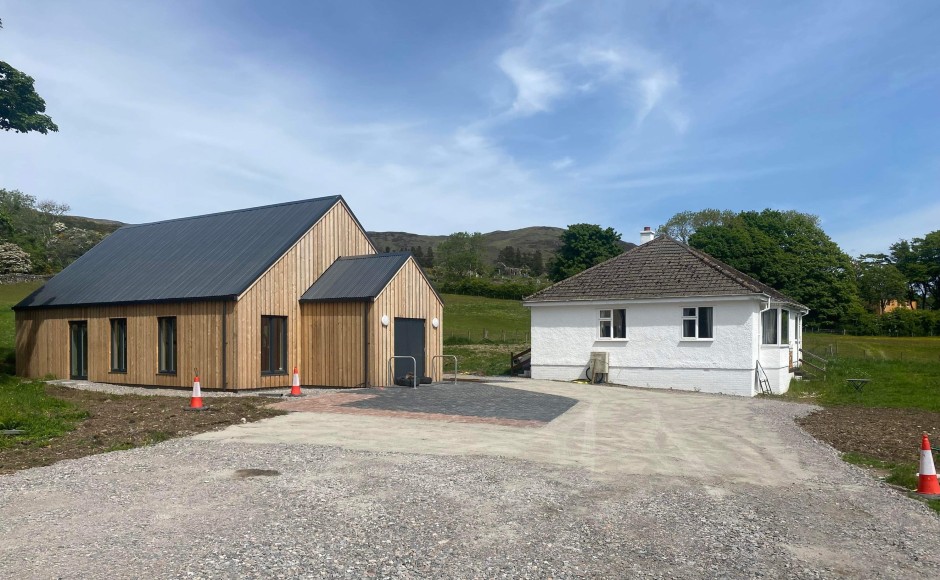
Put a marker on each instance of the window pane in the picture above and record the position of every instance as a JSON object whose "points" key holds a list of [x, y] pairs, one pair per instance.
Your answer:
{"points": [[278, 344], [605, 329], [605, 314], [167, 341], [688, 329], [688, 312], [785, 327], [119, 344], [769, 326], [620, 323], [265, 344], [705, 322]]}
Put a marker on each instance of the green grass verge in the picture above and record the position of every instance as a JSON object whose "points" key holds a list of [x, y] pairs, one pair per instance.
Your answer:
{"points": [[899, 474], [24, 405], [10, 294]]}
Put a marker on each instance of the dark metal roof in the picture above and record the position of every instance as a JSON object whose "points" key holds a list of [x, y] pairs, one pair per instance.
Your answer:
{"points": [[215, 256], [356, 278], [660, 268]]}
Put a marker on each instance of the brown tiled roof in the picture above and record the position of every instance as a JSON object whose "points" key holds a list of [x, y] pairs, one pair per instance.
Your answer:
{"points": [[661, 268]]}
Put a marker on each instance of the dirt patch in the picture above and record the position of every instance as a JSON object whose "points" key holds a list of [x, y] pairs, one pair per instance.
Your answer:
{"points": [[125, 421], [887, 434]]}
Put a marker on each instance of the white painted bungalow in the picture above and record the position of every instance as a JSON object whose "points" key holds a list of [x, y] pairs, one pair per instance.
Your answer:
{"points": [[666, 315]]}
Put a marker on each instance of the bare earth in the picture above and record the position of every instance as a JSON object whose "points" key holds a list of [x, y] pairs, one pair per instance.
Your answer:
{"points": [[626, 483]]}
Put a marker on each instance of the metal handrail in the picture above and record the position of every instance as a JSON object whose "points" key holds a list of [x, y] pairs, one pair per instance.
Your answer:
{"points": [[414, 374], [442, 364]]}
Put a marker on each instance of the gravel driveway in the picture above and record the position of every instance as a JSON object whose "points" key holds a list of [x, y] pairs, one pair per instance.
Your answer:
{"points": [[186, 508]]}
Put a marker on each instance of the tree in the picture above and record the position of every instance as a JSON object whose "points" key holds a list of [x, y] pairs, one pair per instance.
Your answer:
{"points": [[583, 246], [536, 264], [461, 254], [919, 261], [21, 108], [682, 225], [13, 260], [507, 256], [429, 258], [879, 283], [789, 251]]}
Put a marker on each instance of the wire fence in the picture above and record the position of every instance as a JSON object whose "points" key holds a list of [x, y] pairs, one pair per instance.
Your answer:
{"points": [[486, 336]]}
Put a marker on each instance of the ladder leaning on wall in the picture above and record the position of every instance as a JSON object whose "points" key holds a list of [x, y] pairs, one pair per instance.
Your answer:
{"points": [[763, 382]]}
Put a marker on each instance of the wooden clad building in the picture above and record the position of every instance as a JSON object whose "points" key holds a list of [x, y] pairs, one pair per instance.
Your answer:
{"points": [[240, 296]]}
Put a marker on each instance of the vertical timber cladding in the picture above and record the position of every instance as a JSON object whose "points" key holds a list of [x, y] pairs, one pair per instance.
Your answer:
{"points": [[333, 344], [408, 295], [42, 341], [277, 293]]}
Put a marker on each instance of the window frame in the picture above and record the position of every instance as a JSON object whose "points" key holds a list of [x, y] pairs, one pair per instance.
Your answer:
{"points": [[763, 327], [784, 326], [269, 367], [165, 323], [611, 319], [696, 319], [122, 346]]}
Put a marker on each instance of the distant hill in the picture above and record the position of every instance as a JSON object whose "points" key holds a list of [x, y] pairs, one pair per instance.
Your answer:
{"points": [[544, 238]]}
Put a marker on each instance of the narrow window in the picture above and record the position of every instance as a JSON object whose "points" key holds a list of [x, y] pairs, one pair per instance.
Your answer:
{"points": [[768, 323], [119, 345], [274, 345], [784, 327], [697, 322], [612, 323], [167, 350], [606, 319], [620, 323]]}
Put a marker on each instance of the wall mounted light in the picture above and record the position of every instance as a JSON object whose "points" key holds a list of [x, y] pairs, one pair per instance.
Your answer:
{"points": [[385, 320], [435, 322]]}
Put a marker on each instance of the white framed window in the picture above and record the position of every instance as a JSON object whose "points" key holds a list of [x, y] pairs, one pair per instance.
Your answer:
{"points": [[768, 323], [784, 327], [697, 323], [612, 323]]}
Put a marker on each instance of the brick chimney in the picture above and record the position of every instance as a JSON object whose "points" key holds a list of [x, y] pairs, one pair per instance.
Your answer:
{"points": [[647, 235]]}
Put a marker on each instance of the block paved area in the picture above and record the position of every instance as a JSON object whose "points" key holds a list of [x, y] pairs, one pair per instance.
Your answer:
{"points": [[461, 402]]}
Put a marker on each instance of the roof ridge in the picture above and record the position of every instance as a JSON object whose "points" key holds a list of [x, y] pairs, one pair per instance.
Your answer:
{"points": [[233, 211], [376, 255]]}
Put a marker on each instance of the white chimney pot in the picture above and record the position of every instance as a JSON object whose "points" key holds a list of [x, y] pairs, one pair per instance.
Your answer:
{"points": [[647, 235]]}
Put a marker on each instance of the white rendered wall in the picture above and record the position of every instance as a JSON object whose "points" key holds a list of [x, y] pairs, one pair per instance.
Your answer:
{"points": [[654, 353]]}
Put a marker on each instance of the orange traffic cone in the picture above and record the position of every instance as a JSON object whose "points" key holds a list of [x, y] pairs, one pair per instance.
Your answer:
{"points": [[927, 478], [195, 402], [295, 385]]}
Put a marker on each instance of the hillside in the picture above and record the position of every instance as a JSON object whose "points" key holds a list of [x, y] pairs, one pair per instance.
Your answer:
{"points": [[543, 238]]}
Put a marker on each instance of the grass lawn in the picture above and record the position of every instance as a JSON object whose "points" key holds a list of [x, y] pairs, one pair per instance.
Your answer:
{"points": [[473, 314], [24, 405], [466, 317], [904, 372]]}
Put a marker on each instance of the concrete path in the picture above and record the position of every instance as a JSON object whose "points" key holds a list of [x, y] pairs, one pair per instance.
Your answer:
{"points": [[611, 431]]}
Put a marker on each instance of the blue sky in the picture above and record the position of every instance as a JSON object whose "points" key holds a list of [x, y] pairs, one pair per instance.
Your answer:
{"points": [[434, 117]]}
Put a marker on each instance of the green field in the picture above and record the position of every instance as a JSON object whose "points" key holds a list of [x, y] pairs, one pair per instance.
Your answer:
{"points": [[470, 316], [904, 372], [505, 322]]}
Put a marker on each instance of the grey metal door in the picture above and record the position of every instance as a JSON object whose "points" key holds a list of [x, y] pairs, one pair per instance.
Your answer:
{"points": [[409, 341], [78, 350]]}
